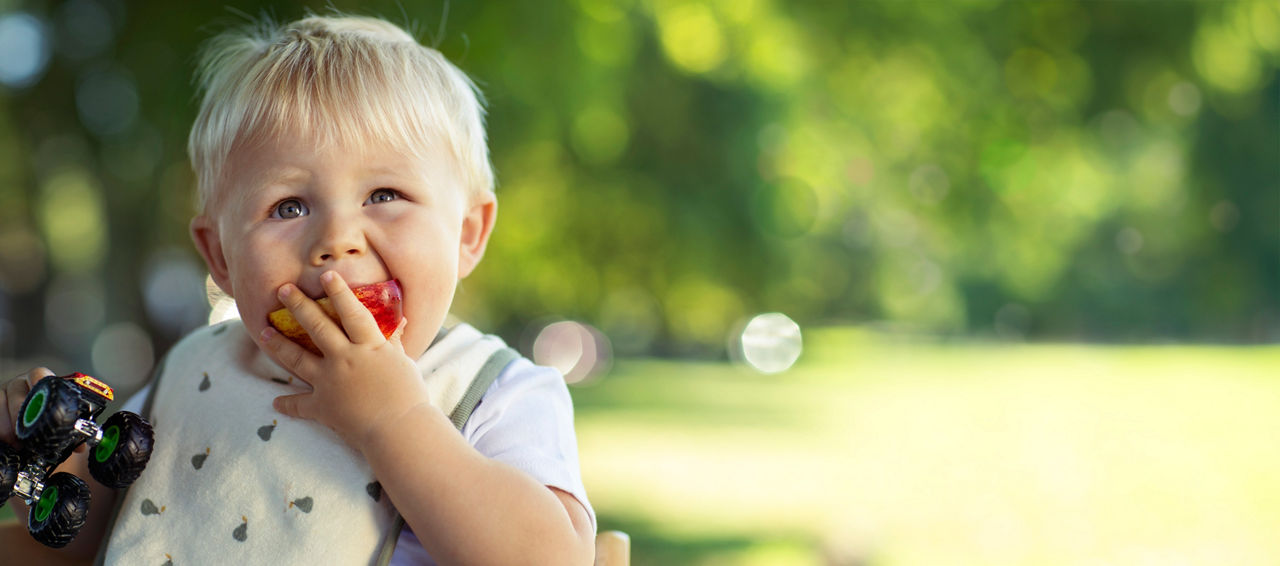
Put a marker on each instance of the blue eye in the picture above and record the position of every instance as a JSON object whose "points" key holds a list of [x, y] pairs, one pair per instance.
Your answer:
{"points": [[382, 195], [289, 208]]}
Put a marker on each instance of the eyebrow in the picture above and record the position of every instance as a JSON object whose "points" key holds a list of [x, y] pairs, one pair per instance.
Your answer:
{"points": [[283, 176], [382, 170]]}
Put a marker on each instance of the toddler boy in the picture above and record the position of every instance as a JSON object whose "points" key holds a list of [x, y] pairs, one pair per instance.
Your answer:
{"points": [[331, 153]]}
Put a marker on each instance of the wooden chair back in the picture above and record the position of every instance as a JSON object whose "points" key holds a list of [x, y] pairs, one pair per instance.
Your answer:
{"points": [[613, 548]]}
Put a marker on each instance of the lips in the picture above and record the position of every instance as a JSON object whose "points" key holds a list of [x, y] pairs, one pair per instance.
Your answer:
{"points": [[384, 301]]}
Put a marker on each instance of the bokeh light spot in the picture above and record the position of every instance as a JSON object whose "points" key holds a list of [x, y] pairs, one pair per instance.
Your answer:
{"points": [[777, 55], [174, 292], [86, 28], [1129, 241], [107, 101], [610, 43], [1184, 99], [26, 52], [579, 351], [691, 37], [122, 355], [771, 343], [1263, 21], [71, 214], [600, 135], [1225, 59]]}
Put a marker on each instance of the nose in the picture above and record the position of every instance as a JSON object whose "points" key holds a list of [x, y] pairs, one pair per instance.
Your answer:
{"points": [[338, 238]]}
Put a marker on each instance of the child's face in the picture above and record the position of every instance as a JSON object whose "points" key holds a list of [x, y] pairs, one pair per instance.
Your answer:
{"points": [[288, 212]]}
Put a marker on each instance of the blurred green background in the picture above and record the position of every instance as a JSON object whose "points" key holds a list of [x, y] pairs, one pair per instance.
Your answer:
{"points": [[999, 225]]}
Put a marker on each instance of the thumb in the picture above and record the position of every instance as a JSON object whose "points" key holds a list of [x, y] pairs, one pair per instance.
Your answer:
{"points": [[398, 334], [292, 405]]}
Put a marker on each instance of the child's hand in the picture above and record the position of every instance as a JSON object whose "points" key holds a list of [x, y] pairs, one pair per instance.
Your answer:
{"points": [[363, 380], [12, 395]]}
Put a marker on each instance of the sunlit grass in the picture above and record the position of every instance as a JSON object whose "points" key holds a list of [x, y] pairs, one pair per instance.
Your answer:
{"points": [[909, 452], [890, 451]]}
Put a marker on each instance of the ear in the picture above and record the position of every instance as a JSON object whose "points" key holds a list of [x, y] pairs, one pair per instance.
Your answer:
{"points": [[204, 232], [477, 224]]}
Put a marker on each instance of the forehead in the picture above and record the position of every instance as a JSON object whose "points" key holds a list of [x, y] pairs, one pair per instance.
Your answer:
{"points": [[297, 156], [297, 160]]}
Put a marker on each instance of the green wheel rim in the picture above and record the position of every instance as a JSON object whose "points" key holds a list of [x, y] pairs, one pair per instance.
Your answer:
{"points": [[107, 446], [47, 500], [35, 406]]}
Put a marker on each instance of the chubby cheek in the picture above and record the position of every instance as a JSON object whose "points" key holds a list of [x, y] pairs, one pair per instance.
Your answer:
{"points": [[252, 312], [426, 308], [255, 295]]}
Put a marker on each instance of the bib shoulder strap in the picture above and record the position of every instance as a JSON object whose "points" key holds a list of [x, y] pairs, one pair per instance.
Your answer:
{"points": [[484, 378], [480, 384]]}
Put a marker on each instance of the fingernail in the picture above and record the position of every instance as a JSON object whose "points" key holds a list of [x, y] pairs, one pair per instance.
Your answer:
{"points": [[328, 276], [266, 333], [284, 291]]}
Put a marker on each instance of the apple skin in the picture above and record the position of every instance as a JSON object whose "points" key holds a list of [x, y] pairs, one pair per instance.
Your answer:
{"points": [[383, 299]]}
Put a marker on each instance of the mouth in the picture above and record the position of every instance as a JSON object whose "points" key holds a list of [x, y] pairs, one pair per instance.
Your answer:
{"points": [[314, 290], [385, 301]]}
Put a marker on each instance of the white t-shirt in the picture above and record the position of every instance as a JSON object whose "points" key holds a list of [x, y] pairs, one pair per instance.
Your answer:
{"points": [[524, 420]]}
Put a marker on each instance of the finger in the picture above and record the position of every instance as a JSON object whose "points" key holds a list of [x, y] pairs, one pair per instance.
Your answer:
{"points": [[37, 374], [15, 394], [8, 434], [294, 406], [357, 321], [293, 358], [324, 333], [398, 334]]}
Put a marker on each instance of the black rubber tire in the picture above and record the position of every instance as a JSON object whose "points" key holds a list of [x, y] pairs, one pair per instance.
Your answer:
{"points": [[10, 464], [123, 453], [57, 518], [46, 422]]}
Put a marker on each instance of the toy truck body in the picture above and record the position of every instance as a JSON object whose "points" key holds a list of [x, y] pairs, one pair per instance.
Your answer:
{"points": [[58, 415]]}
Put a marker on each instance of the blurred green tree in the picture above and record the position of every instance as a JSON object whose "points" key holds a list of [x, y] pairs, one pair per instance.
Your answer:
{"points": [[1097, 170]]}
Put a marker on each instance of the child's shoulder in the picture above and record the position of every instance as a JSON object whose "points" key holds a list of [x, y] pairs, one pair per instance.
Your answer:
{"points": [[524, 390]]}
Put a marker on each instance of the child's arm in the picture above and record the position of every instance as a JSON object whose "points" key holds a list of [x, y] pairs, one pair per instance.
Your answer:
{"points": [[13, 535], [465, 507], [462, 506]]}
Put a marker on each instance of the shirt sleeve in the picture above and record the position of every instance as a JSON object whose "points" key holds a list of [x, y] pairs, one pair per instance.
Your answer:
{"points": [[525, 420]]}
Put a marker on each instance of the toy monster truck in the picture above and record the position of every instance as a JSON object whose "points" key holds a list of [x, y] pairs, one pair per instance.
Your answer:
{"points": [[58, 414]]}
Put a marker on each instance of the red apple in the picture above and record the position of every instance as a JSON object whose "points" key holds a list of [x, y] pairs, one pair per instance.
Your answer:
{"points": [[382, 299]]}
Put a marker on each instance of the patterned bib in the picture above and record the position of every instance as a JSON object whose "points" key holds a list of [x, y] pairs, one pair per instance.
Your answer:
{"points": [[232, 481]]}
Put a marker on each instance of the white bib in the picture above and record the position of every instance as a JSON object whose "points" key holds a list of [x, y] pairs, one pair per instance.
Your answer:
{"points": [[232, 481]]}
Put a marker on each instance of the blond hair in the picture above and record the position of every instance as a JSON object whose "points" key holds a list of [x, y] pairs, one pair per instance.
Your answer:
{"points": [[341, 79]]}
